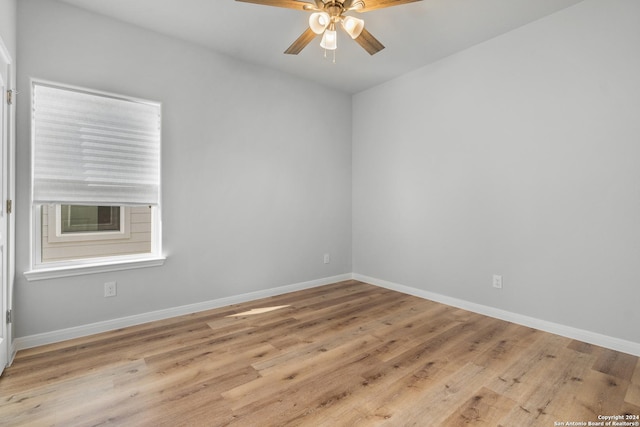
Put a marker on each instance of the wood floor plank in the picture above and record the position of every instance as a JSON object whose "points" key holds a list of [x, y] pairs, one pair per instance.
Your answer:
{"points": [[279, 378], [636, 374], [369, 323], [438, 402], [546, 400], [308, 398], [508, 347], [616, 364], [519, 379], [346, 354], [51, 400], [599, 394], [485, 408], [633, 395]]}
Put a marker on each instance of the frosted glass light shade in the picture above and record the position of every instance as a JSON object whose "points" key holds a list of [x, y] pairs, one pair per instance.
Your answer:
{"points": [[353, 26], [329, 40], [319, 21]]}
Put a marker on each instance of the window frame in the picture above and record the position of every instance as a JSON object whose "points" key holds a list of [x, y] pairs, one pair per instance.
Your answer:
{"points": [[54, 219], [74, 267]]}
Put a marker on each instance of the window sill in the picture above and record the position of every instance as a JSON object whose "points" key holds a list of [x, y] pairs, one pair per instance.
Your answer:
{"points": [[93, 268]]}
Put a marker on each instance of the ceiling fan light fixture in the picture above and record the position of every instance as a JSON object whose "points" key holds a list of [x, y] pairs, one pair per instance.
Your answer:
{"points": [[329, 40], [353, 26], [327, 14], [319, 21]]}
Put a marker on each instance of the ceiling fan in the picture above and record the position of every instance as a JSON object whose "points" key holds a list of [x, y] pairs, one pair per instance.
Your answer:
{"points": [[326, 16]]}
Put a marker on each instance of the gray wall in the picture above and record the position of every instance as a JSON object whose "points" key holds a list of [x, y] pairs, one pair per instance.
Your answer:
{"points": [[255, 189], [8, 25], [520, 157]]}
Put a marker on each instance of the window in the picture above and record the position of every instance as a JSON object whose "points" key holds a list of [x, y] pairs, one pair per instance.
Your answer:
{"points": [[89, 219], [95, 179], [74, 223]]}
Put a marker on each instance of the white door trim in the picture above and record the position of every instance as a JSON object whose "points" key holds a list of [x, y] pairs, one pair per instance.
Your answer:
{"points": [[7, 167]]}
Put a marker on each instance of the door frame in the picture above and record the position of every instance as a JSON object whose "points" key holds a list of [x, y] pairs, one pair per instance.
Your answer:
{"points": [[7, 193]]}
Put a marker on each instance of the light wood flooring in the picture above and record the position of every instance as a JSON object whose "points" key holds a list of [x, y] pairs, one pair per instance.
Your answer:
{"points": [[347, 354]]}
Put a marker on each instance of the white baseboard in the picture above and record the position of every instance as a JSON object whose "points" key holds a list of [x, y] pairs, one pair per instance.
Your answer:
{"points": [[554, 328], [613, 343], [31, 341]]}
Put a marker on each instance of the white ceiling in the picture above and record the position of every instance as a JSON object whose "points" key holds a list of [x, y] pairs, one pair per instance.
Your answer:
{"points": [[414, 34]]}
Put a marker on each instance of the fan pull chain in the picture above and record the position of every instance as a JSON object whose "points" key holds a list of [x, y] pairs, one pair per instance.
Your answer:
{"points": [[334, 55]]}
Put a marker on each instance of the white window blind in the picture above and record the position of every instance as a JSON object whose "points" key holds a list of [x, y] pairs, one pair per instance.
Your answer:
{"points": [[94, 149]]}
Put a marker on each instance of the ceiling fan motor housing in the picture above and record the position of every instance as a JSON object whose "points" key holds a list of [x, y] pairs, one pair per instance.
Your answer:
{"points": [[334, 10]]}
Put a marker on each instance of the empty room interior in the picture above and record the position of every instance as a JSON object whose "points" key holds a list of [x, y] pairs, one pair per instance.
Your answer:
{"points": [[215, 215]]}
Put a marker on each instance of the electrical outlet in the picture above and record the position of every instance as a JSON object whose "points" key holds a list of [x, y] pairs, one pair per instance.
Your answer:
{"points": [[327, 258], [497, 281], [110, 289]]}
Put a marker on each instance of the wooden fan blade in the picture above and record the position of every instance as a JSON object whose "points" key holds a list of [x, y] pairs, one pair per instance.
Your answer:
{"points": [[379, 4], [347, 4], [289, 4], [368, 42], [301, 42]]}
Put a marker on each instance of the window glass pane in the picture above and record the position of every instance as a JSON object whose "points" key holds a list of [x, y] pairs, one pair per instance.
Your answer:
{"points": [[82, 219]]}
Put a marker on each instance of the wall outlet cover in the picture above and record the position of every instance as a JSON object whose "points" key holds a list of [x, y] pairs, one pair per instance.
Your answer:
{"points": [[497, 281], [110, 289]]}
